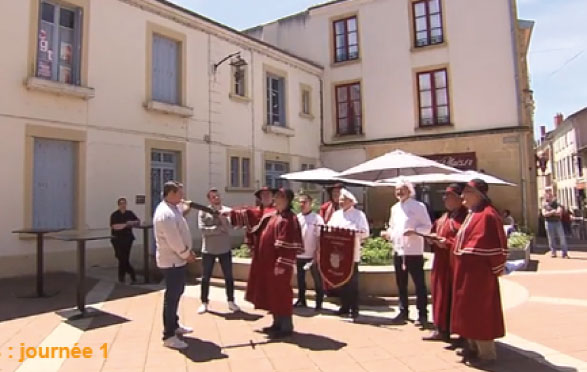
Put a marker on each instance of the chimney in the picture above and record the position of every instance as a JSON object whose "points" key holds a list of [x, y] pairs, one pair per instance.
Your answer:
{"points": [[558, 119], [542, 133]]}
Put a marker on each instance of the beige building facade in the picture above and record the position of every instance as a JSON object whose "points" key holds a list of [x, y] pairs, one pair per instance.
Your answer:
{"points": [[109, 98], [441, 78]]}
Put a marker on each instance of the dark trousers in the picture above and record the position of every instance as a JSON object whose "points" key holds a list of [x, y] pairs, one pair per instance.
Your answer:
{"points": [[349, 293], [122, 252], [301, 262], [174, 286], [414, 267], [208, 261]]}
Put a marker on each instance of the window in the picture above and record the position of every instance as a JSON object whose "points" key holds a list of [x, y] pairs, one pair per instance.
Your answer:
{"points": [[59, 45], [427, 23], [346, 39], [580, 166], [348, 109], [240, 172], [306, 102], [433, 98], [166, 70], [306, 185], [275, 100], [239, 74], [273, 171]]}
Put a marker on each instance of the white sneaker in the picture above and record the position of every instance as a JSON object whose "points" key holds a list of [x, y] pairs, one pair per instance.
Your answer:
{"points": [[233, 307], [203, 308], [175, 343], [183, 330]]}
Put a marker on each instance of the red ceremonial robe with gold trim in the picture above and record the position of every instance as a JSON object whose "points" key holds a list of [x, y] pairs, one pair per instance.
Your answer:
{"points": [[280, 243], [327, 210], [479, 258], [446, 227], [254, 219]]}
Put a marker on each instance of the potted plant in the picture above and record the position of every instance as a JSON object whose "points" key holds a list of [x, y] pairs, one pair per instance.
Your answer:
{"points": [[519, 246]]}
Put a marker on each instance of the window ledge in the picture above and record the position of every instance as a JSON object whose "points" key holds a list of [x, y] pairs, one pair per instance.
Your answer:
{"points": [[343, 137], [434, 126], [166, 108], [415, 49], [238, 98], [239, 189], [281, 131], [345, 63], [58, 88], [306, 116]]}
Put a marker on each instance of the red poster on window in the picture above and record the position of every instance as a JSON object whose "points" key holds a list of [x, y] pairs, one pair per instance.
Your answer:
{"points": [[335, 256]]}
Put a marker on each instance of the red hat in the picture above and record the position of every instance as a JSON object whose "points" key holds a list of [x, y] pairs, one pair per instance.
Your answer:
{"points": [[264, 188], [455, 188], [479, 185]]}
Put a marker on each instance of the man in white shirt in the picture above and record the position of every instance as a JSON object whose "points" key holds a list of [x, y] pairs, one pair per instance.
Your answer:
{"points": [[409, 218], [350, 218], [309, 222], [174, 251]]}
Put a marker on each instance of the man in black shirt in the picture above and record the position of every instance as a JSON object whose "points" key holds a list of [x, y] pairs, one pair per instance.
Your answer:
{"points": [[121, 222]]}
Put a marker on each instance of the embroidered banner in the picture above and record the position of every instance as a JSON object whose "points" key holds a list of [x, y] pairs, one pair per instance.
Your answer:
{"points": [[335, 256]]}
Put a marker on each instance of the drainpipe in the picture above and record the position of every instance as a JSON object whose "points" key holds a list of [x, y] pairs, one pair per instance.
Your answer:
{"points": [[209, 139], [253, 127], [523, 136]]}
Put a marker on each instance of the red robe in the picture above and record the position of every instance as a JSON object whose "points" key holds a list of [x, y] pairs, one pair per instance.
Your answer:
{"points": [[447, 227], [479, 258], [327, 210], [280, 243], [254, 219]]}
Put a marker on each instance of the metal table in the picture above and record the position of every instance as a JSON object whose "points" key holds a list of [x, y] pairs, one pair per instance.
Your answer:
{"points": [[145, 227], [81, 237], [40, 233]]}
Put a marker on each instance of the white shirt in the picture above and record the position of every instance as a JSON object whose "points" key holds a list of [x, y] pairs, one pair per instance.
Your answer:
{"points": [[352, 219], [310, 233], [172, 236], [408, 215]]}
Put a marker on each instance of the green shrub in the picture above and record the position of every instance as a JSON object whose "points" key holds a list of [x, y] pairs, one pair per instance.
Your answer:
{"points": [[242, 252], [376, 251], [518, 240]]}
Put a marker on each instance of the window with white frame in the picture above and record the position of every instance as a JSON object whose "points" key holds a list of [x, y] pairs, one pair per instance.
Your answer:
{"points": [[306, 96], [240, 172], [166, 64], [59, 43], [275, 100], [273, 172], [239, 75]]}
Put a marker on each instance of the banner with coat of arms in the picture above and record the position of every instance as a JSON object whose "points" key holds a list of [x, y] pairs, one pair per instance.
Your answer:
{"points": [[336, 256]]}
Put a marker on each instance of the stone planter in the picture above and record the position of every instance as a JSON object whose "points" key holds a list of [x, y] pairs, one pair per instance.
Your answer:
{"points": [[373, 280], [521, 254]]}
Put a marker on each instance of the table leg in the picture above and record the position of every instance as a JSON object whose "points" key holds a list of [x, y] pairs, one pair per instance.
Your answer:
{"points": [[40, 265], [81, 276], [146, 254]]}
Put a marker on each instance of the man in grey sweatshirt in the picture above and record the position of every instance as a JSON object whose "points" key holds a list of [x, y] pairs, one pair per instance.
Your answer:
{"points": [[216, 245]]}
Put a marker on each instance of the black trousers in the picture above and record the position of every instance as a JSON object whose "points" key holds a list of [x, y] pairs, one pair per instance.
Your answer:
{"points": [[415, 268], [174, 287], [349, 293], [208, 261], [301, 262], [122, 252]]}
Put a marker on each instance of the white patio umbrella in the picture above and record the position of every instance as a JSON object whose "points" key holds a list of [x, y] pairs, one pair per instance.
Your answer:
{"points": [[395, 164], [323, 176], [435, 178]]}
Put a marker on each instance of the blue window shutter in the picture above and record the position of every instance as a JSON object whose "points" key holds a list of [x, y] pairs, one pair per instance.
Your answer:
{"points": [[54, 184], [282, 102], [165, 62]]}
